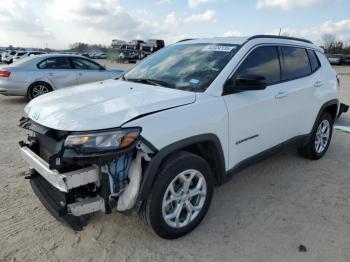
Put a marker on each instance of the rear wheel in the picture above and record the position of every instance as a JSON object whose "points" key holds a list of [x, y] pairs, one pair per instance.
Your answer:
{"points": [[181, 196], [320, 138], [38, 89]]}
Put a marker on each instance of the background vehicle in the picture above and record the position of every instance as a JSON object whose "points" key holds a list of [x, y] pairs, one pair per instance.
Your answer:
{"points": [[25, 54], [128, 56], [2, 55], [7, 57], [137, 44], [41, 74], [186, 119], [118, 43], [336, 59], [152, 45]]}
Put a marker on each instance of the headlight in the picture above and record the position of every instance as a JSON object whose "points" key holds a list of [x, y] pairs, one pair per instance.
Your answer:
{"points": [[102, 141]]}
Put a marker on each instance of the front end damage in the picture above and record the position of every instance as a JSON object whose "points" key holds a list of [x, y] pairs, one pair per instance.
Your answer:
{"points": [[74, 182]]}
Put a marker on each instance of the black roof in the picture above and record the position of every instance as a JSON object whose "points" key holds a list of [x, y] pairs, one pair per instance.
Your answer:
{"points": [[280, 37]]}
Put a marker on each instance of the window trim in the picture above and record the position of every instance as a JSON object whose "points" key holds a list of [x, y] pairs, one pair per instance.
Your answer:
{"points": [[70, 65], [278, 45]]}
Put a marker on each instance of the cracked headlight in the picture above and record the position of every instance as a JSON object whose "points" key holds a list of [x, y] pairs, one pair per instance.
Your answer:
{"points": [[93, 142]]}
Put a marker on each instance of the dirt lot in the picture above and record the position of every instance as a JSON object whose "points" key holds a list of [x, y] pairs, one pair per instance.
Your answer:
{"points": [[263, 214]]}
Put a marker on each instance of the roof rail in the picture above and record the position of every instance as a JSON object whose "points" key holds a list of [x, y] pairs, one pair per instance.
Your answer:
{"points": [[280, 37], [184, 40]]}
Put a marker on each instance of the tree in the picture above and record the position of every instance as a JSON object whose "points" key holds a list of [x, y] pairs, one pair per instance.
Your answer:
{"points": [[329, 40]]}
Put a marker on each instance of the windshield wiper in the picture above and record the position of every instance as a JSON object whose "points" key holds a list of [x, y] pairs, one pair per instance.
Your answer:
{"points": [[154, 82]]}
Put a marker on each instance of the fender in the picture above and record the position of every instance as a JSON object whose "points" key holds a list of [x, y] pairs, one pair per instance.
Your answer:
{"points": [[150, 174], [323, 107]]}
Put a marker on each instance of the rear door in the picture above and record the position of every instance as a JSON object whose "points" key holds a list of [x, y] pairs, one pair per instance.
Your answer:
{"points": [[300, 83], [89, 71], [58, 71]]}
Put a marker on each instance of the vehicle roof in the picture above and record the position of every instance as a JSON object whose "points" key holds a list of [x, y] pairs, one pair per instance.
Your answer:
{"points": [[241, 40], [60, 55]]}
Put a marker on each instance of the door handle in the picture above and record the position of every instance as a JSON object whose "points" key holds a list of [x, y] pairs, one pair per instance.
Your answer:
{"points": [[281, 95], [318, 84]]}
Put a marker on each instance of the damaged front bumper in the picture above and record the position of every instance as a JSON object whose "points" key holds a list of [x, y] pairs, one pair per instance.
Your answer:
{"points": [[73, 188]]}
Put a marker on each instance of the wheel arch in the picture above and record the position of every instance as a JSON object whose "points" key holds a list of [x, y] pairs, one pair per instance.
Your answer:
{"points": [[39, 82], [207, 146], [330, 107]]}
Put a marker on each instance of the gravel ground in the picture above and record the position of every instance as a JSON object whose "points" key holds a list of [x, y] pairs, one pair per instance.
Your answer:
{"points": [[263, 214]]}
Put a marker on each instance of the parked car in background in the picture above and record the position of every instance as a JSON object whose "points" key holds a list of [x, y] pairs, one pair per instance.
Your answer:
{"points": [[24, 54], [136, 44], [98, 56], [3, 54], [85, 55], [130, 56], [34, 76], [101, 56], [347, 59], [187, 119], [7, 57], [152, 45], [118, 43], [336, 59]]}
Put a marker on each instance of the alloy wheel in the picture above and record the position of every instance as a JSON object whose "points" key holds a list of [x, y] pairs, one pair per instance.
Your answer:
{"points": [[184, 198], [39, 90], [322, 136]]}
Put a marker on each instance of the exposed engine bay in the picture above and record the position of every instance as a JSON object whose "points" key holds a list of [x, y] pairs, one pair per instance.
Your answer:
{"points": [[74, 181]]}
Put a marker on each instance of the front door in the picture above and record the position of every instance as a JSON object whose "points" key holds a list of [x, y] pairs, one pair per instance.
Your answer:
{"points": [[256, 118]]}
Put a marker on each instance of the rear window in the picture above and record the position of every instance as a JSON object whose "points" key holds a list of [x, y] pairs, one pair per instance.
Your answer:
{"points": [[296, 62], [314, 62]]}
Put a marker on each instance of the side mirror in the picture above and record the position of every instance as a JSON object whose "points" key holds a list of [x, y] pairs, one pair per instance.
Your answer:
{"points": [[242, 83], [102, 68]]}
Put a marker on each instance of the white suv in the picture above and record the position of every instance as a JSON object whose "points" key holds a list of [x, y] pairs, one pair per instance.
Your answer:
{"points": [[179, 123]]}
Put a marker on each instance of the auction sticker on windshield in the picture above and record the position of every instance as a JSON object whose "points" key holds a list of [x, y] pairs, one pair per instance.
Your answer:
{"points": [[219, 48]]}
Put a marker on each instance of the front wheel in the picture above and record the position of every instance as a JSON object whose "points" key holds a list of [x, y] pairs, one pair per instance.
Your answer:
{"points": [[320, 138], [180, 197]]}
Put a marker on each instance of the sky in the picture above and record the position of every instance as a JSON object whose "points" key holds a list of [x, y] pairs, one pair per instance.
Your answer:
{"points": [[59, 23]]}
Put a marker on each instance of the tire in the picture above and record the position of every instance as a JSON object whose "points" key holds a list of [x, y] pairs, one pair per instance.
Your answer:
{"points": [[38, 89], [319, 141], [175, 171]]}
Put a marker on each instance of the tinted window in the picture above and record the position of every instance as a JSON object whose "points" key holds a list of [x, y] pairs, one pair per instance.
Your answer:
{"points": [[55, 63], [262, 61], [80, 63], [315, 64], [296, 62]]}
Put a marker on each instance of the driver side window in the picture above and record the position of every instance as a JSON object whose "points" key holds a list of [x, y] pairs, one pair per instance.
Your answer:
{"points": [[262, 61]]}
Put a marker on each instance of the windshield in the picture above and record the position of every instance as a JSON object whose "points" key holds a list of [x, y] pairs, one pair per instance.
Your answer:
{"points": [[190, 67]]}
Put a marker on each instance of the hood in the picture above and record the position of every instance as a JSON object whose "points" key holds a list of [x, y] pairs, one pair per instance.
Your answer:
{"points": [[102, 105]]}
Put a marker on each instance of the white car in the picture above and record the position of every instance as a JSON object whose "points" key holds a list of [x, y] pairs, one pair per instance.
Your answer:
{"points": [[24, 54], [7, 56], [177, 124]]}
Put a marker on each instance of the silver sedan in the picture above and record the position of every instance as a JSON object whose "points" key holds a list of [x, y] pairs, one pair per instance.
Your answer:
{"points": [[34, 76]]}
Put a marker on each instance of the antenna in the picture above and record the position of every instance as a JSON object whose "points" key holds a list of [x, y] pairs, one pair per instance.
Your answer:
{"points": [[279, 34]]}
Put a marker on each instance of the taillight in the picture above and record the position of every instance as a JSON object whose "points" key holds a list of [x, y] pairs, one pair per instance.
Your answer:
{"points": [[5, 73]]}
